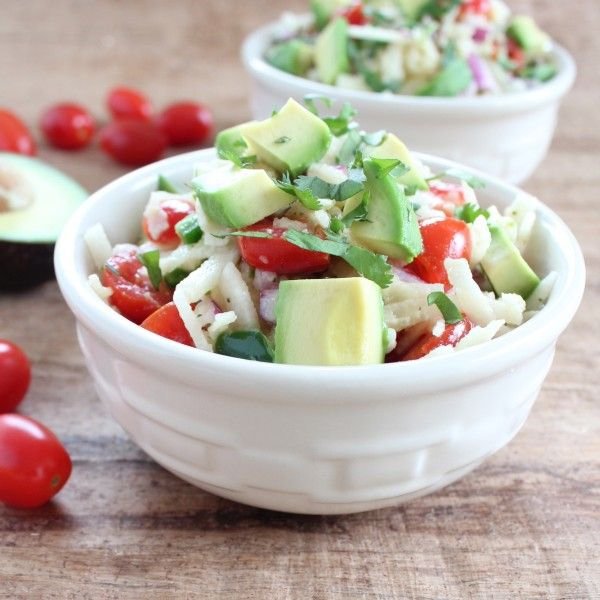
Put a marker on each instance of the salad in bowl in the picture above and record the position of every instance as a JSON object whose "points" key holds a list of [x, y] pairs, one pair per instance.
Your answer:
{"points": [[415, 47], [308, 241]]}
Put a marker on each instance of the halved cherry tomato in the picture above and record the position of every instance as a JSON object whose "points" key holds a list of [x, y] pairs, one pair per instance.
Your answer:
{"points": [[185, 123], [133, 142], [173, 211], [450, 195], [34, 466], [416, 342], [355, 15], [68, 126], [167, 322], [133, 293], [129, 103], [15, 375], [516, 53], [476, 7], [14, 134], [277, 255], [442, 239]]}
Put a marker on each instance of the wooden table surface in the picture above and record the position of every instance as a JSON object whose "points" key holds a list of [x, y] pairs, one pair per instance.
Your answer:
{"points": [[526, 524]]}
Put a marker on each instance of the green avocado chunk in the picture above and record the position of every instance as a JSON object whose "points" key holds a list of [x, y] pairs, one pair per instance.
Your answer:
{"points": [[392, 147], [525, 32], [294, 56], [291, 140], [411, 8], [331, 51], [505, 268], [391, 227], [323, 10], [329, 322], [238, 197], [231, 140], [454, 77]]}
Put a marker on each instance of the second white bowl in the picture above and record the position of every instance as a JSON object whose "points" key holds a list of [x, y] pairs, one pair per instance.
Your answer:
{"points": [[506, 135]]}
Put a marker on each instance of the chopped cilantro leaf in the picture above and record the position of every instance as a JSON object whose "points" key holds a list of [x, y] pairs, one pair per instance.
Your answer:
{"points": [[283, 139], [238, 160], [166, 185], [469, 212], [311, 99], [470, 180], [343, 122], [347, 153], [437, 8], [306, 196], [384, 166], [449, 310]]}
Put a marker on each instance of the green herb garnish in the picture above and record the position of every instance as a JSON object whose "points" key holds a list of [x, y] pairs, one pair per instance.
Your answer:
{"points": [[240, 161], [166, 185], [151, 261], [449, 310], [469, 212], [343, 122], [471, 180]]}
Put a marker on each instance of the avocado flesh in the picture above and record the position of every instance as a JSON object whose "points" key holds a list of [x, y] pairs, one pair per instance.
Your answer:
{"points": [[36, 200], [323, 10], [391, 227], [289, 141], [329, 322], [231, 140], [239, 197], [294, 56], [411, 8], [392, 147], [525, 32], [331, 51], [505, 268]]}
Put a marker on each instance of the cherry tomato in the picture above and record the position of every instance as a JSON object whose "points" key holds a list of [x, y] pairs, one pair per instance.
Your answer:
{"points": [[133, 293], [185, 123], [418, 341], [442, 239], [167, 322], [277, 255], [516, 53], [15, 375], [475, 7], [34, 465], [133, 142], [355, 15], [14, 135], [170, 212], [128, 103], [68, 126], [450, 196]]}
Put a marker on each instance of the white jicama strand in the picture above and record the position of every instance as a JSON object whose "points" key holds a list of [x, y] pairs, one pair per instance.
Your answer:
{"points": [[104, 293], [481, 238], [196, 285], [98, 245], [220, 324], [237, 296]]}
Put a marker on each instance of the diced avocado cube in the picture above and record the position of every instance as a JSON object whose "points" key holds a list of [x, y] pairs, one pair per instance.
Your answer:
{"points": [[231, 140], [331, 51], [454, 78], [329, 322], [505, 268], [291, 140], [525, 32], [238, 197], [392, 147], [391, 227], [323, 10], [294, 56], [411, 8]]}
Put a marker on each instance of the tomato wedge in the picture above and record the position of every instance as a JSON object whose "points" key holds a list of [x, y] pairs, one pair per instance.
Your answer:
{"points": [[418, 341], [172, 211], [355, 15], [167, 323], [132, 292], [277, 255], [442, 239]]}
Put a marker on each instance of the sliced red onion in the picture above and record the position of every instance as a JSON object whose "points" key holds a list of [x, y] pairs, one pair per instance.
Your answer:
{"points": [[264, 280], [266, 305], [480, 34], [406, 276], [481, 74]]}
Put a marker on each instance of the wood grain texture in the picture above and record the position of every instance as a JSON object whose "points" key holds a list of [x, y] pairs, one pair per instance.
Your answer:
{"points": [[526, 524]]}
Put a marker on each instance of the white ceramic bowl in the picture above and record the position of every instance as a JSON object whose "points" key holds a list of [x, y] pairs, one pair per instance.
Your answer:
{"points": [[310, 439], [506, 136]]}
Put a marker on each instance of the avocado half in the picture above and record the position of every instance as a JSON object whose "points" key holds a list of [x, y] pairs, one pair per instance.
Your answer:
{"points": [[35, 202]]}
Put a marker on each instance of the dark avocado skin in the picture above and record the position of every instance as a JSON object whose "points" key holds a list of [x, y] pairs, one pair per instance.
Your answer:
{"points": [[24, 265]]}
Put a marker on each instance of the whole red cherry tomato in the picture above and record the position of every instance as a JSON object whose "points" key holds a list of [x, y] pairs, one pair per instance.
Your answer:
{"points": [[172, 211], [14, 135], [442, 239], [128, 103], [34, 465], [132, 292], [476, 7], [167, 323], [186, 123], [277, 255], [68, 126], [355, 15], [132, 142], [15, 375]]}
